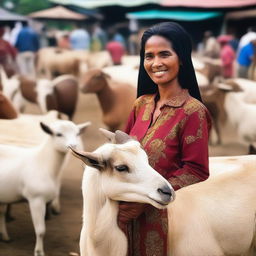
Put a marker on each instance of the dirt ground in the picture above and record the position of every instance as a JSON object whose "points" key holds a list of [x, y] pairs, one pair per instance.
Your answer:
{"points": [[62, 231]]}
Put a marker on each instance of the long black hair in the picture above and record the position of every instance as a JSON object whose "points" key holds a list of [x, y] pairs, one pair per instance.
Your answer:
{"points": [[182, 45]]}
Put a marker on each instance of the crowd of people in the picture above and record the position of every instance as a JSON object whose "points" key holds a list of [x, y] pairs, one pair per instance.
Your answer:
{"points": [[237, 56], [19, 45]]}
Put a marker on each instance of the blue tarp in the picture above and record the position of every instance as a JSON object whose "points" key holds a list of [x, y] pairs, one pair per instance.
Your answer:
{"points": [[173, 15]]}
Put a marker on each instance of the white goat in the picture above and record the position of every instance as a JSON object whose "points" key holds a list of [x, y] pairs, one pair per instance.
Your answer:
{"points": [[241, 116], [221, 215], [34, 174], [216, 217], [113, 173], [11, 89]]}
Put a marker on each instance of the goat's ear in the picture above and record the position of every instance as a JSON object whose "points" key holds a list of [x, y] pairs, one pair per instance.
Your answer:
{"points": [[122, 137], [46, 128], [83, 126], [119, 137], [90, 159], [109, 135], [224, 87]]}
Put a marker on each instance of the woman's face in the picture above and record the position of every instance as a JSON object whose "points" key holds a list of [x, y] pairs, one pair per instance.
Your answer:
{"points": [[161, 62]]}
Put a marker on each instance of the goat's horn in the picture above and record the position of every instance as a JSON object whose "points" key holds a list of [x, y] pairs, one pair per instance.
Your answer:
{"points": [[122, 137], [109, 135]]}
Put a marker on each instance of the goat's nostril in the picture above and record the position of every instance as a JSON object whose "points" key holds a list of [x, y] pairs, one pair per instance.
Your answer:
{"points": [[165, 190]]}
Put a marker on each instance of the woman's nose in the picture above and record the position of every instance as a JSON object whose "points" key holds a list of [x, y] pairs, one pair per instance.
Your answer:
{"points": [[157, 62]]}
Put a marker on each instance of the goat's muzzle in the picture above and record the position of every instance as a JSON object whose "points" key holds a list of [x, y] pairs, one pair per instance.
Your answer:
{"points": [[167, 194]]}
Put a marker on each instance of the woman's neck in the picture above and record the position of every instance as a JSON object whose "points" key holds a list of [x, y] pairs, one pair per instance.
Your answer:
{"points": [[166, 92]]}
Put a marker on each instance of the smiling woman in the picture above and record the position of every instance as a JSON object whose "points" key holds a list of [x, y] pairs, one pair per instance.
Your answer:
{"points": [[172, 126]]}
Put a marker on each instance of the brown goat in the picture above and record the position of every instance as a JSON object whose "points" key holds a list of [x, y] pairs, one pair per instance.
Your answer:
{"points": [[116, 98], [7, 110], [63, 98]]}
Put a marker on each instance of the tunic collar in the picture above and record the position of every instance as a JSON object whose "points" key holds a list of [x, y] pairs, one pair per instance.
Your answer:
{"points": [[176, 101]]}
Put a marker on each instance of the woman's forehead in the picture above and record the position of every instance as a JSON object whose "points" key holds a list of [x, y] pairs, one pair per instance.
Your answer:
{"points": [[159, 42]]}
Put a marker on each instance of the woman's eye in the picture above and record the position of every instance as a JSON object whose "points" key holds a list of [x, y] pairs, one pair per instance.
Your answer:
{"points": [[148, 57], [165, 54], [122, 168], [59, 134]]}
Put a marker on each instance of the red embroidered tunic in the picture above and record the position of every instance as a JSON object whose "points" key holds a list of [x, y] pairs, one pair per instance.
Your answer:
{"points": [[177, 147]]}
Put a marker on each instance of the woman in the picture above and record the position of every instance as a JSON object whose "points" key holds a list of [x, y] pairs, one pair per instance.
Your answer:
{"points": [[172, 125]]}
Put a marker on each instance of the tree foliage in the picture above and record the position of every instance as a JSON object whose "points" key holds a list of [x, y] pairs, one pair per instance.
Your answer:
{"points": [[27, 6]]}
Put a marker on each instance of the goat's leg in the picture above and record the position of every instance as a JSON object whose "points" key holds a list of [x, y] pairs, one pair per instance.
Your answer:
{"points": [[82, 242], [55, 204], [3, 230], [38, 208]]}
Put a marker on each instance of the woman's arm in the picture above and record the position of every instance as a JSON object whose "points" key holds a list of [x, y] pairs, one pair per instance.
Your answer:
{"points": [[194, 150]]}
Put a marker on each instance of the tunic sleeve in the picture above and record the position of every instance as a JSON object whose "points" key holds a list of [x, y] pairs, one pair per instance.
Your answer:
{"points": [[194, 150], [130, 122]]}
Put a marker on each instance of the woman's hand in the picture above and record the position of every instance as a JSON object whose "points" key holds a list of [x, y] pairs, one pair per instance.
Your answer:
{"points": [[127, 212]]}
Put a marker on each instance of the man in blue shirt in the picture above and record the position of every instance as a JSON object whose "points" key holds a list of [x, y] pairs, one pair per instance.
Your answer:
{"points": [[245, 58], [79, 39], [27, 45]]}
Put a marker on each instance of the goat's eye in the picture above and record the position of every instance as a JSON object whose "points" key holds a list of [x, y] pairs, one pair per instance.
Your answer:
{"points": [[122, 168], [59, 134]]}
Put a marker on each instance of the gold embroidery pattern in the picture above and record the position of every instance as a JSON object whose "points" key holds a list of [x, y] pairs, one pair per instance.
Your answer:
{"points": [[191, 107], [154, 244], [156, 151], [147, 113], [174, 132], [199, 134], [165, 116], [143, 100], [184, 180]]}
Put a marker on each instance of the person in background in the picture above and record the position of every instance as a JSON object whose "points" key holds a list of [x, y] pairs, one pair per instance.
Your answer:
{"points": [[227, 55], [245, 57], [80, 38], [14, 32], [246, 38], [211, 47], [27, 45], [116, 50], [172, 125], [99, 37], [63, 39], [7, 55]]}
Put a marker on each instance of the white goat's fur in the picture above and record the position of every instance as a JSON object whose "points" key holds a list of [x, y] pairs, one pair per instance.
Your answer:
{"points": [[220, 219], [34, 174], [103, 186], [241, 115], [11, 89], [44, 87], [215, 217]]}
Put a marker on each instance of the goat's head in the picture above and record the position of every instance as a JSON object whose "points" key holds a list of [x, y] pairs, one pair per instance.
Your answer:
{"points": [[65, 134], [125, 172], [93, 81]]}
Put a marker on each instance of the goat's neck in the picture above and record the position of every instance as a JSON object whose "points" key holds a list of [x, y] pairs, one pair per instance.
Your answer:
{"points": [[100, 219], [106, 97], [46, 153], [234, 107]]}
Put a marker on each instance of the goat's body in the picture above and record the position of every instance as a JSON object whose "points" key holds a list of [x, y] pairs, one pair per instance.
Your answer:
{"points": [[34, 174], [221, 216], [99, 221], [116, 173], [41, 182], [241, 118]]}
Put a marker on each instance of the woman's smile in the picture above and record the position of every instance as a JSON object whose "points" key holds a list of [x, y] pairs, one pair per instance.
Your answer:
{"points": [[161, 61]]}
